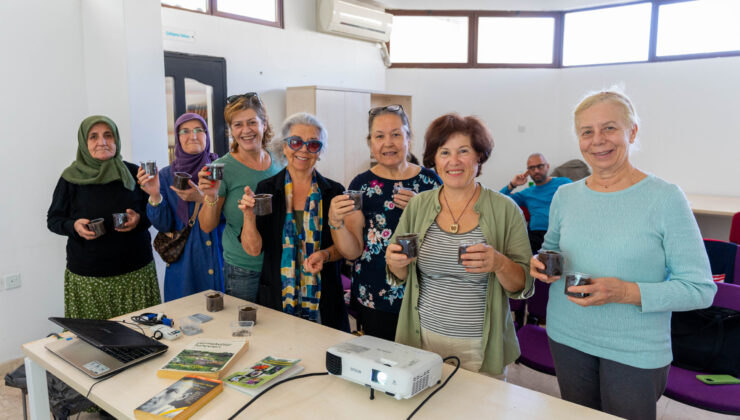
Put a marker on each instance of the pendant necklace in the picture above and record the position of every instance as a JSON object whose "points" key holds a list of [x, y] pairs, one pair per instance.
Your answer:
{"points": [[454, 227]]}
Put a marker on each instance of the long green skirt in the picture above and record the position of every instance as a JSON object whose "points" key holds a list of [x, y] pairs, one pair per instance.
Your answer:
{"points": [[107, 297]]}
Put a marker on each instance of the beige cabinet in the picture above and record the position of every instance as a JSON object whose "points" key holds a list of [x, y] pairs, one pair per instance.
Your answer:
{"points": [[344, 113]]}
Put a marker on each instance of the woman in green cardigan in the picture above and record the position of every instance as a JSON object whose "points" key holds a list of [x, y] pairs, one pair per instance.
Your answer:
{"points": [[458, 309]]}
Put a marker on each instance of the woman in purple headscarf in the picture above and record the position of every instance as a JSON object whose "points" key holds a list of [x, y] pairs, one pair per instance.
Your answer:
{"points": [[200, 267]]}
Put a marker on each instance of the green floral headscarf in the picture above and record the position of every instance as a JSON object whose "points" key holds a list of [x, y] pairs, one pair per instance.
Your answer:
{"points": [[86, 170]]}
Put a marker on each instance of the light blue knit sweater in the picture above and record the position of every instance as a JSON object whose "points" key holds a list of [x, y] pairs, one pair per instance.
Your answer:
{"points": [[644, 234]]}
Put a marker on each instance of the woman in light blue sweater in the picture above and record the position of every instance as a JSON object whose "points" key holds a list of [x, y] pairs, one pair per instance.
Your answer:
{"points": [[634, 233]]}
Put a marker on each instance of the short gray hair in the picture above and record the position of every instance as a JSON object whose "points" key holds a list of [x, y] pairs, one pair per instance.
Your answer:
{"points": [[301, 118]]}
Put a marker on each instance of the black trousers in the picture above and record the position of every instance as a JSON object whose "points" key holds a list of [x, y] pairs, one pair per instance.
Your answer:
{"points": [[536, 238], [606, 385], [377, 323]]}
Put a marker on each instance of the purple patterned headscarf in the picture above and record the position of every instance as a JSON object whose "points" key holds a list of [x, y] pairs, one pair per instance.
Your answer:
{"points": [[185, 162]]}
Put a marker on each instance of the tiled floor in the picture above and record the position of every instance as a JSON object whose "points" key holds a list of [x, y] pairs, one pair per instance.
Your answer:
{"points": [[11, 409]]}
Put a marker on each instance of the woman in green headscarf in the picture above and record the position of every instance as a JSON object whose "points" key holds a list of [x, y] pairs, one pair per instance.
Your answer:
{"points": [[109, 273]]}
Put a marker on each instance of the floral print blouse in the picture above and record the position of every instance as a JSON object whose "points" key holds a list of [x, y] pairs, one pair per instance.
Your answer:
{"points": [[370, 287]]}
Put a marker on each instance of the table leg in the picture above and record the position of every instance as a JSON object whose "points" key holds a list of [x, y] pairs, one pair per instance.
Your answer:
{"points": [[38, 393]]}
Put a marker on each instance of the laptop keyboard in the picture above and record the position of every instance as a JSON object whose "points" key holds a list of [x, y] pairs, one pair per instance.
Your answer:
{"points": [[128, 354]]}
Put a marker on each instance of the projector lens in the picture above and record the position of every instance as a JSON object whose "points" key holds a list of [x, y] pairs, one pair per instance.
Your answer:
{"points": [[379, 377]]}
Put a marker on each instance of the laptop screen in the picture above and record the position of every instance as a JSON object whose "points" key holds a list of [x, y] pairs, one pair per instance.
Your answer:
{"points": [[104, 333]]}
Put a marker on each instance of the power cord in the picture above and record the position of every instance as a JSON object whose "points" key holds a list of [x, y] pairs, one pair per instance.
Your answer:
{"points": [[91, 387], [440, 387], [149, 318], [273, 386]]}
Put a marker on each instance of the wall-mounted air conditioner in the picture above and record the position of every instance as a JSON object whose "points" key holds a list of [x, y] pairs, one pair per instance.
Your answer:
{"points": [[344, 18]]}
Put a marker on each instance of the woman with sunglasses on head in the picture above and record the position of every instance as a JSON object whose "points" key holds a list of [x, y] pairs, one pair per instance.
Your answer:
{"points": [[170, 209], [364, 235], [458, 304], [301, 269], [247, 163]]}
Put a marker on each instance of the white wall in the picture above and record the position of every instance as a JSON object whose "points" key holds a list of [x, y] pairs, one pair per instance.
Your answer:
{"points": [[71, 59], [267, 60], [690, 129]]}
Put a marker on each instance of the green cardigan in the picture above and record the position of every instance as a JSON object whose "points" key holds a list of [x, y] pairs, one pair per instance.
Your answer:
{"points": [[503, 226]]}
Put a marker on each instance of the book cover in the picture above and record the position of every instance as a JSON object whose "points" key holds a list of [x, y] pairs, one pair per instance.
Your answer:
{"points": [[181, 399], [204, 357], [259, 376]]}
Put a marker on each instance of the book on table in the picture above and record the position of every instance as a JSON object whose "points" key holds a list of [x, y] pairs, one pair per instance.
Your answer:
{"points": [[262, 374], [180, 400], [204, 357]]}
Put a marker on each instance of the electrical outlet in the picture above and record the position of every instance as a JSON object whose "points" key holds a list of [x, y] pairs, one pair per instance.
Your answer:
{"points": [[12, 281]]}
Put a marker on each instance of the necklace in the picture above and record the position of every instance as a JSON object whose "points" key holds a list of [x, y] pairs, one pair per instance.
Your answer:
{"points": [[455, 226]]}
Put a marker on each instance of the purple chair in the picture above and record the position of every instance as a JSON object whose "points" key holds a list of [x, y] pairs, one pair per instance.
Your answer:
{"points": [[533, 338], [682, 384]]}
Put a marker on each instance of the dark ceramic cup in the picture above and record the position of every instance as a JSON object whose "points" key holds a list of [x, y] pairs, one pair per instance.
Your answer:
{"points": [[410, 244], [577, 279], [553, 261], [181, 180], [262, 204], [119, 219], [150, 167], [96, 225], [355, 196]]}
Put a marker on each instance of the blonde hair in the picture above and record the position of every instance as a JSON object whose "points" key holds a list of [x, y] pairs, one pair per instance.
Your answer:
{"points": [[612, 95]]}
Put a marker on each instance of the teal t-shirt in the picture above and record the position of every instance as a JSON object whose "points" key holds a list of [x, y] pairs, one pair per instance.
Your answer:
{"points": [[236, 177]]}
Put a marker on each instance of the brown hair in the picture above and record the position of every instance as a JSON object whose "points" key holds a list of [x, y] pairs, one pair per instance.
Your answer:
{"points": [[441, 129], [242, 104]]}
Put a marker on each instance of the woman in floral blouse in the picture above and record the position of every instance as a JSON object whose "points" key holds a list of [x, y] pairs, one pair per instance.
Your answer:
{"points": [[386, 190]]}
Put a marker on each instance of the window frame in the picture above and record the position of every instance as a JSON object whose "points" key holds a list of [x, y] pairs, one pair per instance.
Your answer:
{"points": [[558, 38], [212, 10]]}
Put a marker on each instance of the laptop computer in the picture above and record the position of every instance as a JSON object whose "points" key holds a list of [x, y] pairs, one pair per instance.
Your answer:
{"points": [[103, 347]]}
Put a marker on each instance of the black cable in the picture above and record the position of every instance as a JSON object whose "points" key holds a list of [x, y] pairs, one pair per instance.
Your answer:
{"points": [[91, 387], [273, 386], [135, 325], [439, 387]]}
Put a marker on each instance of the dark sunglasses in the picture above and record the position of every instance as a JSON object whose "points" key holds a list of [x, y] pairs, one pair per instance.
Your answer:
{"points": [[248, 96], [390, 108], [537, 167], [295, 143]]}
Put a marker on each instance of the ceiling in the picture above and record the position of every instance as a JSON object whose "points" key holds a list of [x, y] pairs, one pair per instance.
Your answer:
{"points": [[539, 5]]}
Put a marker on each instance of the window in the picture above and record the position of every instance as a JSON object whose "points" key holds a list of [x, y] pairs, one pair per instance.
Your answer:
{"points": [[697, 27], [445, 39], [516, 40], [607, 35], [266, 12]]}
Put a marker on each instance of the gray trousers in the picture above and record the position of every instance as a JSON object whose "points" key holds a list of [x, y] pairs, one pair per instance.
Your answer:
{"points": [[606, 385]]}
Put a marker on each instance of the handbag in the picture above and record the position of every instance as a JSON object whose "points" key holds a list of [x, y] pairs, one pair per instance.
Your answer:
{"points": [[707, 340], [170, 245]]}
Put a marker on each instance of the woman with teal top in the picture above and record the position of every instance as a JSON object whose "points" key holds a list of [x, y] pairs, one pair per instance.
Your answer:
{"points": [[247, 163], [364, 235], [110, 274], [636, 236], [170, 208]]}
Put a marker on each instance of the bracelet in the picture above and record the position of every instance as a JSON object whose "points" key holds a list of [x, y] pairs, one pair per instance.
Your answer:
{"points": [[210, 203], [332, 227], [511, 187], [153, 204]]}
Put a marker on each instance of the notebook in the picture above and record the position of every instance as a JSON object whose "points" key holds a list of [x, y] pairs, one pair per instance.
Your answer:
{"points": [[103, 347]]}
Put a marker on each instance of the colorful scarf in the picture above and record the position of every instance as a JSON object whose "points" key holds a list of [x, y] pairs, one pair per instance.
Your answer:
{"points": [[86, 170], [185, 162], [291, 275]]}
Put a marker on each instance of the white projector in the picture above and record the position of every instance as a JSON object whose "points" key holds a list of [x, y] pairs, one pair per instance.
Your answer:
{"points": [[398, 370]]}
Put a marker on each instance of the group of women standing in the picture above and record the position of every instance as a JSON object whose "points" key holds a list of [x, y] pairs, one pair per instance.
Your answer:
{"points": [[633, 232]]}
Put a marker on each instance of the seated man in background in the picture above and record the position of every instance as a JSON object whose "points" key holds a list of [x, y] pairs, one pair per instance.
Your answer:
{"points": [[536, 198]]}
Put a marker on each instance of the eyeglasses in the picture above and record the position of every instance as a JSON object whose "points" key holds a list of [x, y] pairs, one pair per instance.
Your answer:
{"points": [[248, 96], [390, 108], [536, 167], [295, 143], [186, 132]]}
